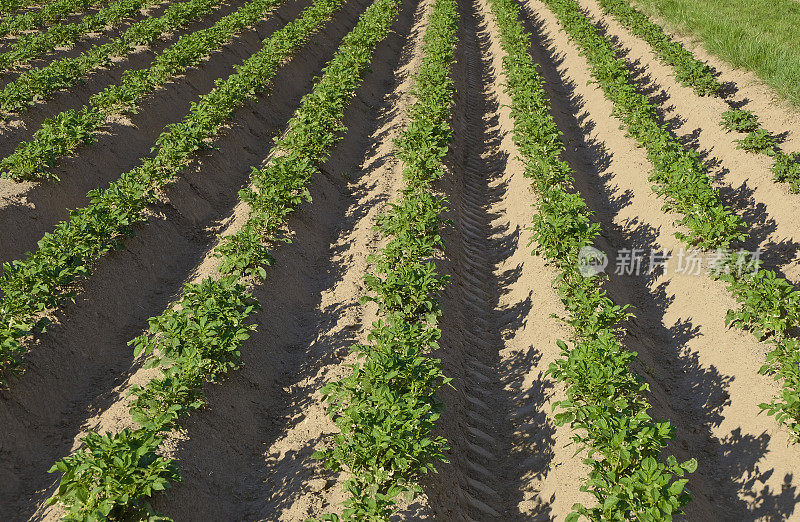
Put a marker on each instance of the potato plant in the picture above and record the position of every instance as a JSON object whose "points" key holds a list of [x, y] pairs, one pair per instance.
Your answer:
{"points": [[31, 46], [49, 13], [605, 404], [199, 340], [693, 73], [387, 408], [770, 306], [66, 131], [37, 84], [46, 278]]}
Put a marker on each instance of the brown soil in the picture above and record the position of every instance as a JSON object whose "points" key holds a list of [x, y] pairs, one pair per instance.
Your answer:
{"points": [[703, 376], [247, 454]]}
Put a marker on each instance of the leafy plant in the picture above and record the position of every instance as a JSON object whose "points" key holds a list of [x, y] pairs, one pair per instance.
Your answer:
{"points": [[64, 132], [37, 84], [787, 169], [198, 341], [387, 408], [768, 303], [605, 402], [689, 71], [45, 278], [758, 141], [740, 120]]}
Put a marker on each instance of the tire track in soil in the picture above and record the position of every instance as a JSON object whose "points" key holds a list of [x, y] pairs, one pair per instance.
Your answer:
{"points": [[81, 366], [509, 461]]}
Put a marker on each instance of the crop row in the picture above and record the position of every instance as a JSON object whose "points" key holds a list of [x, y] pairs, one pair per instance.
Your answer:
{"points": [[605, 401], [769, 305], [200, 340], [387, 408], [66, 131], [37, 84], [28, 47], [8, 7], [701, 77], [47, 278], [49, 13]]}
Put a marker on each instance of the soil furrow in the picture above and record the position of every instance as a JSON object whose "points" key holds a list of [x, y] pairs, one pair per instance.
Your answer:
{"points": [[744, 179], [703, 376], [509, 460], [36, 208], [82, 365]]}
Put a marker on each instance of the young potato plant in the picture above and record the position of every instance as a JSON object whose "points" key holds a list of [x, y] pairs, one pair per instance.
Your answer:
{"points": [[64, 132], [46, 278], [740, 120], [387, 408], [8, 7], [28, 47], [113, 475], [605, 404], [769, 304], [758, 141], [37, 84]]}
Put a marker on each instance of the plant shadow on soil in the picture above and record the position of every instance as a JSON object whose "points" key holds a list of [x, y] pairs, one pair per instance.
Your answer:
{"points": [[82, 365], [692, 397], [475, 325], [287, 359]]}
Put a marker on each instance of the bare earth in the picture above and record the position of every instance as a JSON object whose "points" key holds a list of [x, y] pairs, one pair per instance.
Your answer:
{"points": [[247, 454]]}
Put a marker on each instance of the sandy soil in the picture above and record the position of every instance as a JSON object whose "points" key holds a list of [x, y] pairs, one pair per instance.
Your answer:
{"points": [[247, 455], [703, 376]]}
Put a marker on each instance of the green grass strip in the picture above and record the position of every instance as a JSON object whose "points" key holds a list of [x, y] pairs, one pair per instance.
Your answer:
{"points": [[769, 304], [113, 475], [28, 47], [387, 408], [605, 403], [759, 36], [66, 131]]}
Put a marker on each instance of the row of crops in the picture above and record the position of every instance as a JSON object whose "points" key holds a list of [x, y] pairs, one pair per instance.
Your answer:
{"points": [[386, 408]]}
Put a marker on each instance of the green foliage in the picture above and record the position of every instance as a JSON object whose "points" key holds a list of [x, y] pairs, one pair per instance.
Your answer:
{"points": [[787, 169], [107, 479], [199, 340], [692, 72], [46, 278], [769, 305], [605, 402], [49, 13], [759, 141], [36, 84], [689, 71], [740, 120], [63, 133], [752, 35], [31, 46], [387, 408]]}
